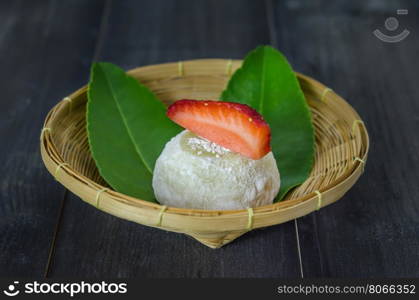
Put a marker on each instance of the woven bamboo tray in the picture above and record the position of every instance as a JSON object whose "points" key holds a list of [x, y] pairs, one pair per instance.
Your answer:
{"points": [[341, 151]]}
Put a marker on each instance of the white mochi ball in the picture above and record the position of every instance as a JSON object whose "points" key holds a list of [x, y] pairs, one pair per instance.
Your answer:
{"points": [[192, 172]]}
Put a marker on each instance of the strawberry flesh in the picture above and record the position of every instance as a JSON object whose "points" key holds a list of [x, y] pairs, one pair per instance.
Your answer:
{"points": [[234, 126]]}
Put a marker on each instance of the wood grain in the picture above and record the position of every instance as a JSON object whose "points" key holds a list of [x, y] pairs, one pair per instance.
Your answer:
{"points": [[373, 231], [43, 55]]}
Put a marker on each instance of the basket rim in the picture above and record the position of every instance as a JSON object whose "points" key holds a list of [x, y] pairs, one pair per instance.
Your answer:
{"points": [[48, 148]]}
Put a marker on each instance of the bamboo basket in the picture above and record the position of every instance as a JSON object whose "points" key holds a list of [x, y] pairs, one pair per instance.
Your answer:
{"points": [[341, 151]]}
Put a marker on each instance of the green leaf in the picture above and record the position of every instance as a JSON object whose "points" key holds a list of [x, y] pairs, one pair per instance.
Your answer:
{"points": [[127, 129], [267, 83]]}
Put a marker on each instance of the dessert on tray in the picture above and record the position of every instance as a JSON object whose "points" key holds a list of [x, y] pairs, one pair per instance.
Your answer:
{"points": [[225, 158], [223, 154]]}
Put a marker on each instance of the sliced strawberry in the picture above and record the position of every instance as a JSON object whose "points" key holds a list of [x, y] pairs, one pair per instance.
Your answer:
{"points": [[234, 126]]}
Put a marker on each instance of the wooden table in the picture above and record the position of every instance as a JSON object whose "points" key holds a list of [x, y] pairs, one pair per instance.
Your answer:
{"points": [[46, 49]]}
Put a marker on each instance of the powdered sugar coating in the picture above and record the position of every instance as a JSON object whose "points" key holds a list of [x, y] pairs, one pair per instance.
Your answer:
{"points": [[193, 173], [203, 145]]}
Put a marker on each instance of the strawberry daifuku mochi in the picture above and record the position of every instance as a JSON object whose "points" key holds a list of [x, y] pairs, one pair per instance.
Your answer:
{"points": [[221, 162]]}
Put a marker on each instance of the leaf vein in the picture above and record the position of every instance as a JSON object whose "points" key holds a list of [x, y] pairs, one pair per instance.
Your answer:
{"points": [[137, 150], [262, 86]]}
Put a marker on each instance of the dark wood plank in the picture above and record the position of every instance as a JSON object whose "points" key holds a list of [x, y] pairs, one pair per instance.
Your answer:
{"points": [[45, 51], [373, 231], [92, 243]]}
